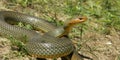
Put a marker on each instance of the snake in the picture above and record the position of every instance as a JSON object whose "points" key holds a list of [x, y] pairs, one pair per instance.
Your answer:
{"points": [[47, 45]]}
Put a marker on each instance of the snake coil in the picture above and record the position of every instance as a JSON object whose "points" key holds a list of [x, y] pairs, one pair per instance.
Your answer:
{"points": [[42, 46]]}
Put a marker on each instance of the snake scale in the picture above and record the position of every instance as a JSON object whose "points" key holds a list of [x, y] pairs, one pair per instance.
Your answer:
{"points": [[37, 45]]}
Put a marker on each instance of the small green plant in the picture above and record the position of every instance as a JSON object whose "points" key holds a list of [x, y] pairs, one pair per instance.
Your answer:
{"points": [[26, 26], [16, 42], [23, 3]]}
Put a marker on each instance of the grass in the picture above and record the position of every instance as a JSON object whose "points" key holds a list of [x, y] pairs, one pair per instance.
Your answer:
{"points": [[103, 16]]}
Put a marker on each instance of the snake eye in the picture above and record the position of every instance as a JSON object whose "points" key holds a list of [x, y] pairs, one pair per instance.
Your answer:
{"points": [[80, 18]]}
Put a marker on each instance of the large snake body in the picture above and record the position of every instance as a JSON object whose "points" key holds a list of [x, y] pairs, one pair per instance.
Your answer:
{"points": [[42, 46], [37, 45]]}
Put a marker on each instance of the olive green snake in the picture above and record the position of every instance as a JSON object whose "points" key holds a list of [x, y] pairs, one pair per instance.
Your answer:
{"points": [[47, 45]]}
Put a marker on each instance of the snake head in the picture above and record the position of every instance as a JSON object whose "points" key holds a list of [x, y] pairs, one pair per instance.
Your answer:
{"points": [[71, 23], [77, 20]]}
